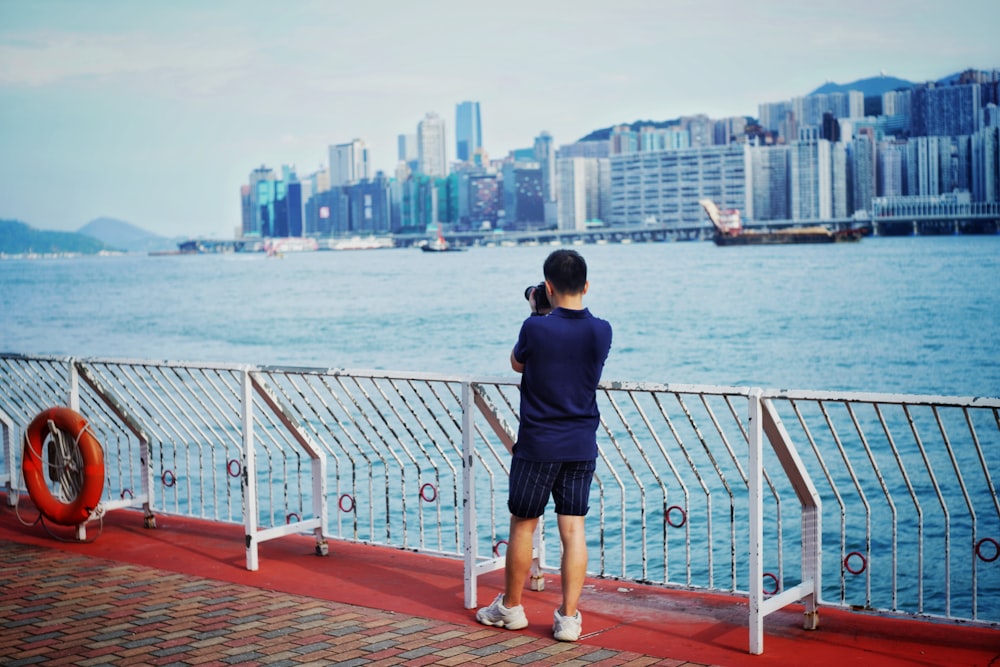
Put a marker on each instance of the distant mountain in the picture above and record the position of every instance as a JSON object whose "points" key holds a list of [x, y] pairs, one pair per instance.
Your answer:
{"points": [[871, 87], [126, 236], [17, 238], [604, 133]]}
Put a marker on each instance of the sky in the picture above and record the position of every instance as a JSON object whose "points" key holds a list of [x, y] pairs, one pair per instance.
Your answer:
{"points": [[156, 112]]}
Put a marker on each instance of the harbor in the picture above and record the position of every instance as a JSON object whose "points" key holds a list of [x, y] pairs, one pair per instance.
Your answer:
{"points": [[979, 222]]}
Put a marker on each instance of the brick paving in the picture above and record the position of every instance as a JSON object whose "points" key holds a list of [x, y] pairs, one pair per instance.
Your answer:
{"points": [[59, 608]]}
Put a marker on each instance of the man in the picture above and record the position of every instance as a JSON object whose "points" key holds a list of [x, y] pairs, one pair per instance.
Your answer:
{"points": [[561, 357]]}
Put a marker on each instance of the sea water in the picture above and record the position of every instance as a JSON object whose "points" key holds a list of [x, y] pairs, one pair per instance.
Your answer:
{"points": [[900, 315]]}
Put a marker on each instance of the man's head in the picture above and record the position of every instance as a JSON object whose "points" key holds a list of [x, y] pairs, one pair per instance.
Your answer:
{"points": [[566, 272]]}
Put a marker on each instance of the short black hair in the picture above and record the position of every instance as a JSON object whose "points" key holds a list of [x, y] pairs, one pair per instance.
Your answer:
{"points": [[566, 270]]}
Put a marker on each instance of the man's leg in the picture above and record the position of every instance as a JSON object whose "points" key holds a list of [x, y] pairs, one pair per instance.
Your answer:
{"points": [[518, 560], [574, 561]]}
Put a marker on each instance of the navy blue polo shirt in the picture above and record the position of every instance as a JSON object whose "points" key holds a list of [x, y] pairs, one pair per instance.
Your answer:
{"points": [[563, 355]]}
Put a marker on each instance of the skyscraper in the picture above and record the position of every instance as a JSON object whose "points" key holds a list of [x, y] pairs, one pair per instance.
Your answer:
{"points": [[946, 111], [431, 147], [349, 163], [545, 156], [811, 171], [468, 130]]}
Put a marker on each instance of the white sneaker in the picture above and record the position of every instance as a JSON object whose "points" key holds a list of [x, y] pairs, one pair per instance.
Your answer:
{"points": [[500, 616], [567, 628]]}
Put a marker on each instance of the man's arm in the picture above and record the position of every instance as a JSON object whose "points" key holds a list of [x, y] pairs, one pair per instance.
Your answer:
{"points": [[515, 364]]}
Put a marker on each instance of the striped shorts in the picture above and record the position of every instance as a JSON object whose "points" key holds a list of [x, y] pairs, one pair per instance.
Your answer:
{"points": [[533, 482]]}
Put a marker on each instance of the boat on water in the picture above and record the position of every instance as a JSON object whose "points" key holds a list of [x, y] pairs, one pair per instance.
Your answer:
{"points": [[361, 243], [439, 244], [729, 230]]}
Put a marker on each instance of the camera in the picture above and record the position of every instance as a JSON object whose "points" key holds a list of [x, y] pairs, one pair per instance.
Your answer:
{"points": [[541, 298]]}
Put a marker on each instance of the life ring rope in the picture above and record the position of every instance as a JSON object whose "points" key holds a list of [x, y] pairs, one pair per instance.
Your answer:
{"points": [[78, 469]]}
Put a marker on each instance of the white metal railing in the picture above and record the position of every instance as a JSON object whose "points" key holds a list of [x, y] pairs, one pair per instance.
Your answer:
{"points": [[861, 501]]}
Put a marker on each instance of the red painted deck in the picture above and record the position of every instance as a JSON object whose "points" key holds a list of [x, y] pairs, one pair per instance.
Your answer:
{"points": [[672, 626]]}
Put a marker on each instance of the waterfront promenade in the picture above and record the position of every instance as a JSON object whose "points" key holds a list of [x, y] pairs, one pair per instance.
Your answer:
{"points": [[180, 595]]}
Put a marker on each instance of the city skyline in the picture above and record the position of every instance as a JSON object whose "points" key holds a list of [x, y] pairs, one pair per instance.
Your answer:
{"points": [[155, 114]]}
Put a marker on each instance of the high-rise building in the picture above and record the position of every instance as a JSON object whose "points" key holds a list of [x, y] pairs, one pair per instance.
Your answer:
{"points": [[545, 156], [896, 102], [728, 130], [985, 164], [406, 150], [700, 129], [597, 148], [861, 164], [665, 186], [479, 198], [891, 163], [272, 206], [523, 196], [432, 157], [468, 130], [580, 193], [810, 166], [349, 163], [623, 140], [839, 181], [254, 201], [771, 178], [946, 111]]}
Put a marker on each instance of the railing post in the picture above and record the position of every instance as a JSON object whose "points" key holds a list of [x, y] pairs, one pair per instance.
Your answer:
{"points": [[469, 532], [9, 476], [80, 531], [249, 481], [74, 387], [755, 435]]}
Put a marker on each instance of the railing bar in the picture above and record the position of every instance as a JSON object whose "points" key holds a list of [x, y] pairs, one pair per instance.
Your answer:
{"points": [[684, 487], [861, 495], [969, 505], [415, 460], [940, 496], [885, 492], [456, 446], [347, 423], [343, 426], [709, 514], [841, 504], [635, 478], [56, 381], [664, 491], [621, 490], [120, 376], [732, 496], [370, 441], [191, 414], [920, 517]]}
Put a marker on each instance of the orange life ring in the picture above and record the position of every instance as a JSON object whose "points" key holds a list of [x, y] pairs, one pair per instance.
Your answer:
{"points": [[80, 508]]}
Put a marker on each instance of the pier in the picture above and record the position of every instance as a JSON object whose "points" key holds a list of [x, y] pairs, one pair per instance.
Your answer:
{"points": [[179, 595], [772, 504], [914, 225]]}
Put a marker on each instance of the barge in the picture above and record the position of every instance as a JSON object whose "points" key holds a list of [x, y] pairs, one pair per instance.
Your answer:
{"points": [[729, 231]]}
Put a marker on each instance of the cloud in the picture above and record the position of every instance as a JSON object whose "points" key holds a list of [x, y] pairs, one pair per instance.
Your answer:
{"points": [[44, 58]]}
